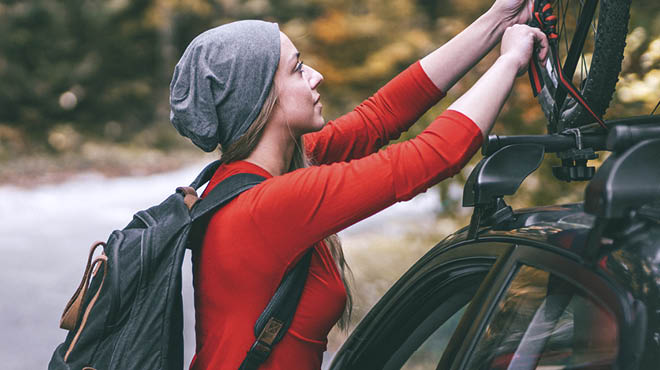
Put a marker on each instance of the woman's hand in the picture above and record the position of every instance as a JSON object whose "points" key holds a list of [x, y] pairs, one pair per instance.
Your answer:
{"points": [[518, 44], [483, 102], [513, 11], [449, 63]]}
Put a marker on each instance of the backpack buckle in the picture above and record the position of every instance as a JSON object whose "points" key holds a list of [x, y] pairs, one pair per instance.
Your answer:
{"points": [[270, 331], [262, 347]]}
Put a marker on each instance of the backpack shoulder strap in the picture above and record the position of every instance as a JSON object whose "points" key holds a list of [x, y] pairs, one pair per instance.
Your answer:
{"points": [[222, 193], [276, 318], [205, 175]]}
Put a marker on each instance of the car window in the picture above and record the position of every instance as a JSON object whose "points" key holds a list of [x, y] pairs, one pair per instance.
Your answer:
{"points": [[430, 352], [545, 322], [412, 325], [422, 346]]}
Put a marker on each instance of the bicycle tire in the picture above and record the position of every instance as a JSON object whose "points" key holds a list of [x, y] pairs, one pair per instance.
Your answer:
{"points": [[598, 86]]}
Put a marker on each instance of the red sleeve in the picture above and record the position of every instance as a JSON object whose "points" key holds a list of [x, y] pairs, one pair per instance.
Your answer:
{"points": [[297, 209], [377, 120]]}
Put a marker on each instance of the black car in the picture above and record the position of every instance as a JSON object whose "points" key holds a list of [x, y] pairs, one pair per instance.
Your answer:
{"points": [[564, 287]]}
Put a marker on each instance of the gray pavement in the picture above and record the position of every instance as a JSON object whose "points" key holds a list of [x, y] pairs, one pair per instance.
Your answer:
{"points": [[45, 234]]}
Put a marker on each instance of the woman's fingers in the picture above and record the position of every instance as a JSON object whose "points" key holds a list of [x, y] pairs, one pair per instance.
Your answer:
{"points": [[541, 43], [514, 11], [519, 42]]}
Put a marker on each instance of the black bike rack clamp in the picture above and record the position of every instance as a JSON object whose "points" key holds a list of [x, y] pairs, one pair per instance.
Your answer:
{"points": [[495, 176], [626, 182], [574, 160]]}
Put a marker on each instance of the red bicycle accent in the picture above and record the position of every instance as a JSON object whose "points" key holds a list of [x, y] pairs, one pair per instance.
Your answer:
{"points": [[544, 19], [575, 94]]}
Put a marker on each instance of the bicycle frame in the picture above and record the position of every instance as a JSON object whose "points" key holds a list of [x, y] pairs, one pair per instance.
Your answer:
{"points": [[577, 44]]}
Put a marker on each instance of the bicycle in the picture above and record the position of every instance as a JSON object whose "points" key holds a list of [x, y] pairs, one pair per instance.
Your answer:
{"points": [[595, 28], [574, 103]]}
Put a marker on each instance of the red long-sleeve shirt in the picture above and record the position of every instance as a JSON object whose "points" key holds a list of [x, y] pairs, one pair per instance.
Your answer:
{"points": [[251, 242]]}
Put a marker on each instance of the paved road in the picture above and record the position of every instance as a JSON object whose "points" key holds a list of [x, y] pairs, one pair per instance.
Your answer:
{"points": [[45, 234]]}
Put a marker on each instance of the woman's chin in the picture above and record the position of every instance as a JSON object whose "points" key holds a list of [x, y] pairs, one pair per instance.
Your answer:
{"points": [[316, 124], [320, 123]]}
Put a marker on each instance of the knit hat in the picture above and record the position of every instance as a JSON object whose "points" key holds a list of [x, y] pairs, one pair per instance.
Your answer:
{"points": [[222, 80]]}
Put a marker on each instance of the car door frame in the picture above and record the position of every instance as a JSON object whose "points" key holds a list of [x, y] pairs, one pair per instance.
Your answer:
{"points": [[564, 264], [443, 265], [504, 254]]}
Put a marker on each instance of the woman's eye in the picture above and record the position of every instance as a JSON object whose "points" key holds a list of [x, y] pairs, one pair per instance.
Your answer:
{"points": [[299, 66]]}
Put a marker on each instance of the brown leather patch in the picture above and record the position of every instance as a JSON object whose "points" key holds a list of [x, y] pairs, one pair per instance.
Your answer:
{"points": [[102, 259], [190, 196], [73, 308]]}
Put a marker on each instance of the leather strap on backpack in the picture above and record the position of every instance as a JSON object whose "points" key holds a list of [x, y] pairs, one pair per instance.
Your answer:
{"points": [[73, 309]]}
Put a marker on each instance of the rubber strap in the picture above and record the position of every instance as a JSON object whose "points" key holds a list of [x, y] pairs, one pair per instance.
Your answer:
{"points": [[535, 79], [543, 19]]}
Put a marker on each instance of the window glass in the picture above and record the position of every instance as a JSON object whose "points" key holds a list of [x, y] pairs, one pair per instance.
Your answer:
{"points": [[429, 353], [544, 322], [423, 332]]}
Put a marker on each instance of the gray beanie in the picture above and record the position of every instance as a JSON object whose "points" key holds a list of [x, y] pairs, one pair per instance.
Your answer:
{"points": [[222, 81]]}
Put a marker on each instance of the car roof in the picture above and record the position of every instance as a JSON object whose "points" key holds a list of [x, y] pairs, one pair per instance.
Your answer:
{"points": [[563, 226]]}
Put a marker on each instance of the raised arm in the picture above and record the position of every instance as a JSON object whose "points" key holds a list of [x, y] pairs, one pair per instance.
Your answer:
{"points": [[482, 103], [400, 103], [447, 64], [377, 120], [304, 206]]}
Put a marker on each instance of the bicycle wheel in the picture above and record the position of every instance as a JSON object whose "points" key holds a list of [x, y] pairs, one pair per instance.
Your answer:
{"points": [[588, 30]]}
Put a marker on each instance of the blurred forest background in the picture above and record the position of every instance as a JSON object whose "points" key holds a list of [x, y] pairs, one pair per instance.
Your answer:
{"points": [[84, 83], [84, 86]]}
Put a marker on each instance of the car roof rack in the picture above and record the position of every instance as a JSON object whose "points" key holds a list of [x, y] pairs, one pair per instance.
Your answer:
{"points": [[625, 183], [495, 176], [575, 147]]}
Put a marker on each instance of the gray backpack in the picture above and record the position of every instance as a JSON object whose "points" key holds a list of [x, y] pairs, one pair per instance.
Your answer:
{"points": [[127, 312]]}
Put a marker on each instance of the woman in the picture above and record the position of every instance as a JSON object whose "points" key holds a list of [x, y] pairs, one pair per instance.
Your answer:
{"points": [[243, 86]]}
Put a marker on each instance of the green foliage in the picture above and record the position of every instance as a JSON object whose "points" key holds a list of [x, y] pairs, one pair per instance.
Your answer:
{"points": [[78, 62]]}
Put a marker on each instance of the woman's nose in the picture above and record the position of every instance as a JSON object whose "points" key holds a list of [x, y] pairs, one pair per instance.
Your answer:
{"points": [[315, 78]]}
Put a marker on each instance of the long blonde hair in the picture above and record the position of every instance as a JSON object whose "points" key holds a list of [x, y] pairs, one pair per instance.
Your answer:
{"points": [[242, 148]]}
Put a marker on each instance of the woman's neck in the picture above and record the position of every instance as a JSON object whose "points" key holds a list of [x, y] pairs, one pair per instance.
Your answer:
{"points": [[274, 152]]}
